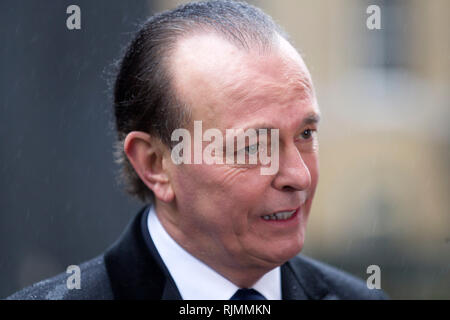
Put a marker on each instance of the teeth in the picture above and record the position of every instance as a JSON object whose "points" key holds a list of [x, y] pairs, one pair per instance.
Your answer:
{"points": [[279, 215]]}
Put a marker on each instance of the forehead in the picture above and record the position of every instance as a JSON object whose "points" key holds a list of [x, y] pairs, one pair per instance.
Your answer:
{"points": [[225, 85]]}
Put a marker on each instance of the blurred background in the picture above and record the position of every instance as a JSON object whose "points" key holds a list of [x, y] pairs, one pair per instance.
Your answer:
{"points": [[383, 195]]}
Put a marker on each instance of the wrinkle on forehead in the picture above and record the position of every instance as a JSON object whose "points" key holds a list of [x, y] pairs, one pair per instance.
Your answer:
{"points": [[252, 91], [278, 78]]}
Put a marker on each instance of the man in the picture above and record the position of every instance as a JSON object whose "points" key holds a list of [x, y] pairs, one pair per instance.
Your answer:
{"points": [[220, 230]]}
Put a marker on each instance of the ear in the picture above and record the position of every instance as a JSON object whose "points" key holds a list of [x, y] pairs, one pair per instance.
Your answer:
{"points": [[145, 153]]}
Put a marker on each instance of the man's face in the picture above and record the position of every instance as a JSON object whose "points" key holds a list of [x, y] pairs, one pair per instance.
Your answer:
{"points": [[221, 207]]}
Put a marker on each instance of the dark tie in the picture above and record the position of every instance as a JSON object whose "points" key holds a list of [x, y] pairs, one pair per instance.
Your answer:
{"points": [[247, 294]]}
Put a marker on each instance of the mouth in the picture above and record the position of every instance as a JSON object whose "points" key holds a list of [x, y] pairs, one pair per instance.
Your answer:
{"points": [[281, 215]]}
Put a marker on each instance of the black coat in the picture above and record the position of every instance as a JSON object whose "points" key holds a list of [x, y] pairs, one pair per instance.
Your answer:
{"points": [[132, 269]]}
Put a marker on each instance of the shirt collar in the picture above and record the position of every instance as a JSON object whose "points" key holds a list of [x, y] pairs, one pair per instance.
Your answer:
{"points": [[194, 279]]}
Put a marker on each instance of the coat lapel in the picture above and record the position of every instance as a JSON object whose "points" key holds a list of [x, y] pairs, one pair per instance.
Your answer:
{"points": [[299, 281], [135, 268], [291, 289]]}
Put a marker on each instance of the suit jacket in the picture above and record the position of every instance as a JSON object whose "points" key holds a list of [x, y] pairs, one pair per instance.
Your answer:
{"points": [[132, 269]]}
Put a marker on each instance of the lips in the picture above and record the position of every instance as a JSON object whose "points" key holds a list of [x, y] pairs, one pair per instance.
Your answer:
{"points": [[280, 215]]}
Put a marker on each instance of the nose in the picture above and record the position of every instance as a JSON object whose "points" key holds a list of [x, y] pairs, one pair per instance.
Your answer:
{"points": [[293, 174]]}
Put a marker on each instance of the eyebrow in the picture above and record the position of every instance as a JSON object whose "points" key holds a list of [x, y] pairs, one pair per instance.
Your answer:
{"points": [[311, 118]]}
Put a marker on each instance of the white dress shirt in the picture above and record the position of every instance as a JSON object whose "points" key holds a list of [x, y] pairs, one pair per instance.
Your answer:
{"points": [[194, 279]]}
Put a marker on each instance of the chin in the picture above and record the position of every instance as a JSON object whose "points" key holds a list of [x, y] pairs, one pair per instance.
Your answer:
{"points": [[292, 250], [280, 254]]}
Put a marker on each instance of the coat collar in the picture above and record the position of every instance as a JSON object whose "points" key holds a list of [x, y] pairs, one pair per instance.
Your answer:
{"points": [[301, 281], [137, 272], [135, 268]]}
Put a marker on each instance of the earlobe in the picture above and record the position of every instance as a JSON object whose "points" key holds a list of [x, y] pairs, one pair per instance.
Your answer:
{"points": [[163, 192], [146, 156]]}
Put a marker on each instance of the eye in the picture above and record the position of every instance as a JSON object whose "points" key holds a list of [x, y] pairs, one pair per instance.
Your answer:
{"points": [[251, 149], [307, 134]]}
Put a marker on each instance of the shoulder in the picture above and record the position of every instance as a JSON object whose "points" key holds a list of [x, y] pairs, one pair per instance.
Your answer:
{"points": [[95, 285], [338, 284]]}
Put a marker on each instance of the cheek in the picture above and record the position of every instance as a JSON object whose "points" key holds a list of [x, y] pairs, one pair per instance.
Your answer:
{"points": [[191, 182], [225, 190], [205, 186], [312, 162], [218, 201], [314, 170], [244, 186]]}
